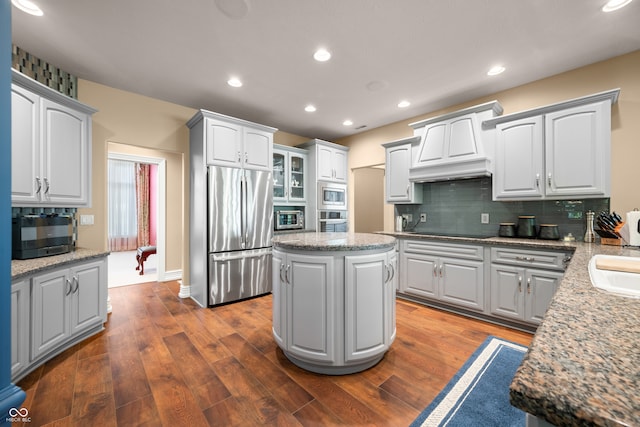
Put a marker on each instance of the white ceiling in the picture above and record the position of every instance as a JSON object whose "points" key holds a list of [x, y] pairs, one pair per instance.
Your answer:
{"points": [[432, 53]]}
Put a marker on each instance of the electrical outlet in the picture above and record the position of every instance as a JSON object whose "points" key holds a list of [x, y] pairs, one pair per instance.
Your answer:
{"points": [[484, 218], [423, 217], [86, 219], [410, 217]]}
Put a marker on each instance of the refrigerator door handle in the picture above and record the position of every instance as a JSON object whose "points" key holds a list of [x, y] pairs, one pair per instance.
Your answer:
{"points": [[243, 210], [229, 256]]}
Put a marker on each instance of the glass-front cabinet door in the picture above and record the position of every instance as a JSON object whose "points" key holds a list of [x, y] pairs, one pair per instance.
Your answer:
{"points": [[296, 174], [289, 169], [279, 169]]}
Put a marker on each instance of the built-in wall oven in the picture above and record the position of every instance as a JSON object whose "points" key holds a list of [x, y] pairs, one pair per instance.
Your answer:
{"points": [[332, 196], [329, 221]]}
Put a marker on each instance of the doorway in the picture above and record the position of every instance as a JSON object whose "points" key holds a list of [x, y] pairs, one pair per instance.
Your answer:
{"points": [[368, 199], [122, 264]]}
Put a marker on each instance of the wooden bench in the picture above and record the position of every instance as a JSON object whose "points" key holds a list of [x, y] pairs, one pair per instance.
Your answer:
{"points": [[142, 255]]}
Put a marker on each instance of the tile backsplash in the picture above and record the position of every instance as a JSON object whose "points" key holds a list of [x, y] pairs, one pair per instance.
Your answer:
{"points": [[455, 207]]}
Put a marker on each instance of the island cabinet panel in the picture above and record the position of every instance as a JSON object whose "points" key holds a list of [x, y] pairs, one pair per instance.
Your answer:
{"points": [[310, 311], [369, 304], [334, 310]]}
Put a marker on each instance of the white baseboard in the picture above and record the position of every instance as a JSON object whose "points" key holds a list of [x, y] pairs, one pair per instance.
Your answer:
{"points": [[172, 275]]}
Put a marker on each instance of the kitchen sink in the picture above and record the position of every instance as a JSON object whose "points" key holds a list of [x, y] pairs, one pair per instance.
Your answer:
{"points": [[612, 277]]}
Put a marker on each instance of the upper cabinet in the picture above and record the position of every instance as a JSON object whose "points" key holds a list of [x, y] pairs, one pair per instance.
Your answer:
{"points": [[289, 174], [328, 160], [233, 142], [453, 145], [50, 147], [399, 157], [555, 152]]}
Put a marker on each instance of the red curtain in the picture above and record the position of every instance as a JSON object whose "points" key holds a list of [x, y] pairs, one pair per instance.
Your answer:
{"points": [[143, 175]]}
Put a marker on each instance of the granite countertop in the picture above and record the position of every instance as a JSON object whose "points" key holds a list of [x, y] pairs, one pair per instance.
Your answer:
{"points": [[333, 241], [583, 365], [22, 268]]}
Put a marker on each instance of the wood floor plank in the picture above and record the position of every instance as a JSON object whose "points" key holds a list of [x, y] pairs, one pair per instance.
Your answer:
{"points": [[166, 361]]}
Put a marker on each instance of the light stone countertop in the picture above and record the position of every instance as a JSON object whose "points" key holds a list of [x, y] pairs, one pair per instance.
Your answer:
{"points": [[583, 365], [319, 241], [22, 268]]}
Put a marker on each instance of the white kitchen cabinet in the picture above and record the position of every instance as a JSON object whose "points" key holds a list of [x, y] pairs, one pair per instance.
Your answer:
{"points": [[399, 157], [370, 304], [19, 326], [305, 312], [334, 312], [289, 175], [51, 147], [451, 273], [328, 160], [556, 152], [233, 142], [523, 282], [65, 303]]}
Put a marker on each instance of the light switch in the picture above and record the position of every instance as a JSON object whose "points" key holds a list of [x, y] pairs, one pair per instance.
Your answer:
{"points": [[86, 219]]}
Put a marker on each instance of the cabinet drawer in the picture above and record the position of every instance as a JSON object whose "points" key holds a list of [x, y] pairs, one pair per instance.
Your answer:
{"points": [[527, 258], [443, 249]]}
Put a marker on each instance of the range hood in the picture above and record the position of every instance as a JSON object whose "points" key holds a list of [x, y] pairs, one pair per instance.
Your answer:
{"points": [[454, 145]]}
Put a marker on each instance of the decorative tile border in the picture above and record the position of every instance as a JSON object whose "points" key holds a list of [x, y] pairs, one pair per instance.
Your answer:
{"points": [[43, 72]]}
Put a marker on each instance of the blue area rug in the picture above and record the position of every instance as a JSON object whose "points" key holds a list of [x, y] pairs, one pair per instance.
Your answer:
{"points": [[478, 395]]}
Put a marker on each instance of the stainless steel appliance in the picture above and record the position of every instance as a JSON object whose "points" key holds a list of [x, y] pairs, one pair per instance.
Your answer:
{"points": [[36, 236], [331, 196], [292, 219], [240, 227], [329, 221]]}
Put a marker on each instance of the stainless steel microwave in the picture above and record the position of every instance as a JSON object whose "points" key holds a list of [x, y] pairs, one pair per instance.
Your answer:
{"points": [[289, 219], [332, 196]]}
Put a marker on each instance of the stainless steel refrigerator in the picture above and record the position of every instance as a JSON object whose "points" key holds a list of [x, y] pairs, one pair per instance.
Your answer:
{"points": [[240, 227]]}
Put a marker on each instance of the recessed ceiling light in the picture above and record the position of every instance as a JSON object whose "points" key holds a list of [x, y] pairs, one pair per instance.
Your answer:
{"points": [[322, 55], [615, 5], [347, 123], [309, 108], [403, 104], [234, 82], [28, 6], [494, 71]]}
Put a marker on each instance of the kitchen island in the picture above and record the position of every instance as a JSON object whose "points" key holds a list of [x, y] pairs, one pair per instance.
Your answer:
{"points": [[334, 299]]}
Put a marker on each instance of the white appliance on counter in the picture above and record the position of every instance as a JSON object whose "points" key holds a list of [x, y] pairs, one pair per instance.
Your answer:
{"points": [[633, 222]]}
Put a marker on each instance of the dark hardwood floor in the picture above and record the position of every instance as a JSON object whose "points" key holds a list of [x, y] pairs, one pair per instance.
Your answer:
{"points": [[164, 361]]}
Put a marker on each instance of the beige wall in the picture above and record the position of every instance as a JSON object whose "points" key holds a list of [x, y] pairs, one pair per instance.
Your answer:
{"points": [[621, 72]]}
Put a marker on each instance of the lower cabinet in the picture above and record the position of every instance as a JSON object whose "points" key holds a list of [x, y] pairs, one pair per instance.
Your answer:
{"points": [[56, 309], [334, 314], [522, 293], [445, 272]]}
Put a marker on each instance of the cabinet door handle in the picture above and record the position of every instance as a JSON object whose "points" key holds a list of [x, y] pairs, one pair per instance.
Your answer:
{"points": [[408, 189], [286, 274], [549, 179], [519, 283], [239, 157], [246, 157], [77, 282], [70, 286], [537, 180], [529, 285], [441, 268], [435, 270], [281, 267], [46, 186], [387, 271], [393, 272], [39, 185]]}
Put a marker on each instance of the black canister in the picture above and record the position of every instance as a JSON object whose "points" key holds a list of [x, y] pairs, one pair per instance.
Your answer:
{"points": [[527, 226], [507, 229]]}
